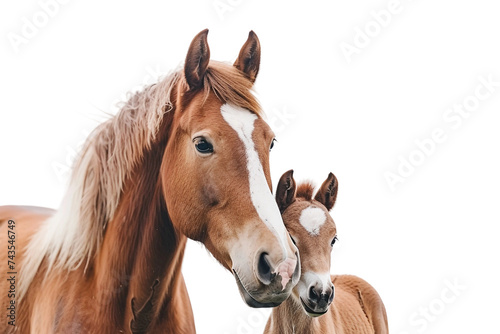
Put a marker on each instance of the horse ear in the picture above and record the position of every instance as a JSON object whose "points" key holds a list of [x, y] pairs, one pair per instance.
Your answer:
{"points": [[327, 194], [248, 60], [285, 193], [197, 60]]}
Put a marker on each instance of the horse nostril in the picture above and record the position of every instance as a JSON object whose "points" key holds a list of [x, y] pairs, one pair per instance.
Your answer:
{"points": [[264, 269]]}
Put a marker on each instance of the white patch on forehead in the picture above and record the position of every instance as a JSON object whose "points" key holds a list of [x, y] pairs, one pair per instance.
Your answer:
{"points": [[242, 121], [312, 218]]}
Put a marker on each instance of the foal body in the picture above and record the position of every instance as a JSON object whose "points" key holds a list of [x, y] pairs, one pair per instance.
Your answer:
{"points": [[356, 309], [321, 303]]}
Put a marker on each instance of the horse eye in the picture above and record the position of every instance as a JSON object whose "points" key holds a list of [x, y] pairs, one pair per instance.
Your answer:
{"points": [[334, 240], [272, 144], [203, 146]]}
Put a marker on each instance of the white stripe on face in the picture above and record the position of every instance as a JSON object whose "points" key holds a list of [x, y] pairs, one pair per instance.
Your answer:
{"points": [[242, 121], [312, 218]]}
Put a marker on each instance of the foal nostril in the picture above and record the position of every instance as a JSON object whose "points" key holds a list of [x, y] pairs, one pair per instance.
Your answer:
{"points": [[330, 298], [313, 294], [332, 295], [264, 269], [327, 297]]}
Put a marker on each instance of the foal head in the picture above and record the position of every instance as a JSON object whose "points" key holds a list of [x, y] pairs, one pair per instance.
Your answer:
{"points": [[313, 231], [215, 174]]}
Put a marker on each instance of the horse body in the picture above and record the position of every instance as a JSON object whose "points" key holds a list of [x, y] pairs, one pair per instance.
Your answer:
{"points": [[92, 300], [99, 298], [321, 303], [182, 159]]}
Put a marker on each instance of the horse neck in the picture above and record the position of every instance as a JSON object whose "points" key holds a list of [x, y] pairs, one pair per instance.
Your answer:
{"points": [[290, 318], [141, 255]]}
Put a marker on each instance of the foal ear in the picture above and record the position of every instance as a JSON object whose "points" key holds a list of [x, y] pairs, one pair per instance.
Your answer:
{"points": [[197, 60], [285, 193], [327, 194], [248, 60]]}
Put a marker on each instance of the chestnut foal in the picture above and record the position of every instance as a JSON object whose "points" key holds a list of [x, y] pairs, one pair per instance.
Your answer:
{"points": [[357, 308]]}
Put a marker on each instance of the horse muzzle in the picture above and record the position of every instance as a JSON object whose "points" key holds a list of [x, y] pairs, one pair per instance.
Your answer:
{"points": [[269, 285]]}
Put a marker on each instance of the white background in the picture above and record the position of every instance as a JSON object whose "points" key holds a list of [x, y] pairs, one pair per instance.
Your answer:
{"points": [[353, 118]]}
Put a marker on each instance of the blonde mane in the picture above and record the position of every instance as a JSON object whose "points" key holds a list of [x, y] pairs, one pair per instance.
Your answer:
{"points": [[75, 233]]}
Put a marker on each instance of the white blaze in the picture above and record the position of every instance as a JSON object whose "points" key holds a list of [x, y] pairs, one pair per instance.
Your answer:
{"points": [[242, 121], [312, 218]]}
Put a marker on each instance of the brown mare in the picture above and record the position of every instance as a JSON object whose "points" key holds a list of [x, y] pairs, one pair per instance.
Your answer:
{"points": [[187, 157], [357, 307]]}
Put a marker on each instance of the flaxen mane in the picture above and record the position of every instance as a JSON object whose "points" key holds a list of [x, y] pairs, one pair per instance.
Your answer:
{"points": [[74, 234]]}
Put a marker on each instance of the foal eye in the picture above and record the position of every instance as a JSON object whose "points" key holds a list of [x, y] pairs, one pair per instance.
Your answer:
{"points": [[203, 146], [334, 240], [272, 144]]}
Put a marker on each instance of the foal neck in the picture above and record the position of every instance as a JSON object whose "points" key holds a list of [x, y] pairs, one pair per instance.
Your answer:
{"points": [[290, 318]]}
